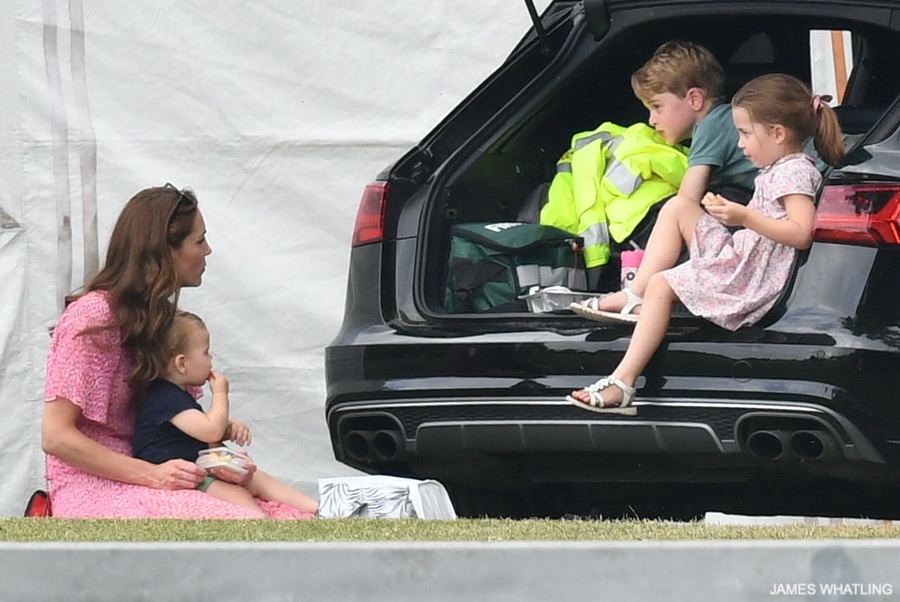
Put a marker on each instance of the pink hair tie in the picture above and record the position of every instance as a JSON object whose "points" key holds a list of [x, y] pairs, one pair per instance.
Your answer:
{"points": [[817, 101]]}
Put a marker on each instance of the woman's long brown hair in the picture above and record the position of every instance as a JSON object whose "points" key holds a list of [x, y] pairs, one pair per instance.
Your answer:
{"points": [[140, 275]]}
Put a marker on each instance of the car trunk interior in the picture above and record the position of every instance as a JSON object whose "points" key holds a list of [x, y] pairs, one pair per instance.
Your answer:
{"points": [[493, 178]]}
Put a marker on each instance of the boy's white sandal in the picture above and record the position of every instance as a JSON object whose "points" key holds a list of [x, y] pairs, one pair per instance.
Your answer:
{"points": [[590, 309], [596, 403]]}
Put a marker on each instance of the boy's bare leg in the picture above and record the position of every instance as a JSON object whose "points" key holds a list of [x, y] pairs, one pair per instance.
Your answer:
{"points": [[267, 488], [234, 494], [674, 228], [649, 331]]}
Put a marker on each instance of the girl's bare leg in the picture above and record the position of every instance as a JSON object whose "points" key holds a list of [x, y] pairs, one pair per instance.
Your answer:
{"points": [[648, 335], [267, 488], [674, 228], [234, 494]]}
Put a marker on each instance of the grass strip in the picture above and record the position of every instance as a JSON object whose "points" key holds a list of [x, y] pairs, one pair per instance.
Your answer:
{"points": [[357, 530]]}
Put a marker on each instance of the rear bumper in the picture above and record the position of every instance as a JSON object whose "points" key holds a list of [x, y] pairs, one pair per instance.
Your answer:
{"points": [[688, 434], [713, 406]]}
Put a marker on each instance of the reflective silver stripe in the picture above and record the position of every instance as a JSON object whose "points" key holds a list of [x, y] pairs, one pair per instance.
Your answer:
{"points": [[582, 142], [528, 275], [543, 275], [598, 234], [619, 175], [554, 276], [577, 280], [622, 178], [613, 144]]}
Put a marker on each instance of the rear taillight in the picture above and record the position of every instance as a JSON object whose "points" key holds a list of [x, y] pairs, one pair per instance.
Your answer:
{"points": [[369, 225], [862, 214]]}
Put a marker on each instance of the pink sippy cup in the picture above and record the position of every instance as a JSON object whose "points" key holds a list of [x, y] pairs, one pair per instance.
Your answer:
{"points": [[630, 262]]}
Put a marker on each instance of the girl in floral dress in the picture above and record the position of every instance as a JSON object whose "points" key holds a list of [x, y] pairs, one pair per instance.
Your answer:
{"points": [[102, 355], [730, 279]]}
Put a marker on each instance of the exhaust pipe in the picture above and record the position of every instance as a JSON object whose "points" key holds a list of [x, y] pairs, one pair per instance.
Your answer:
{"points": [[814, 445], [358, 445], [389, 445], [769, 445]]}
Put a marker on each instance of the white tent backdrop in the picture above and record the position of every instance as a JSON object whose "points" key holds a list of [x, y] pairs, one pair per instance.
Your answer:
{"points": [[277, 115]]}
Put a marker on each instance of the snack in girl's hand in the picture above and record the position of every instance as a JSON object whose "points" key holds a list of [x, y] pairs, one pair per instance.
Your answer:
{"points": [[710, 199]]}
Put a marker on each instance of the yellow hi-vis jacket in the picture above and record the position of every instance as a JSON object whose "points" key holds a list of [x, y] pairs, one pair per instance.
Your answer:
{"points": [[608, 180]]}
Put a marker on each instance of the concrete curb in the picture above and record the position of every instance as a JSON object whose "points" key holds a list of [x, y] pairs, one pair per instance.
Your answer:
{"points": [[436, 572]]}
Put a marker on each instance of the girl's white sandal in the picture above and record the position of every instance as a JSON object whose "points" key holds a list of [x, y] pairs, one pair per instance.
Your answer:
{"points": [[595, 402], [590, 309]]}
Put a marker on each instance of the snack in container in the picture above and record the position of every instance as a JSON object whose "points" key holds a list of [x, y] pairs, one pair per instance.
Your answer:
{"points": [[222, 457]]}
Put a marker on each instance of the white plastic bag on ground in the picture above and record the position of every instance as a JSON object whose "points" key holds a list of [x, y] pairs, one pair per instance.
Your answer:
{"points": [[381, 496]]}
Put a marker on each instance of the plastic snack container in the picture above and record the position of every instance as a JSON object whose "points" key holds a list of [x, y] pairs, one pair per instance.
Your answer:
{"points": [[553, 298], [221, 457]]}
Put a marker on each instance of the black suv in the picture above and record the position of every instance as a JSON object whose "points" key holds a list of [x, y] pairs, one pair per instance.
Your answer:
{"points": [[797, 414]]}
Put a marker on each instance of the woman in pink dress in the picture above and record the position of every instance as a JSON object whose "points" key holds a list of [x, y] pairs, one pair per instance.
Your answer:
{"points": [[730, 279], [102, 357]]}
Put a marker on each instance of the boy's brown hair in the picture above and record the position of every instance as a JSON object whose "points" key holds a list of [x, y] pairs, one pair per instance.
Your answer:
{"points": [[676, 67]]}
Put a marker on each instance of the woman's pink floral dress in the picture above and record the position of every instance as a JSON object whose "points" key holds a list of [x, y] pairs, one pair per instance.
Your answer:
{"points": [[90, 370], [733, 279]]}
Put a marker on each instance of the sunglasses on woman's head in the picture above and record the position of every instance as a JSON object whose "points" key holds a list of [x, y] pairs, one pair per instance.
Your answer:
{"points": [[171, 186], [181, 197]]}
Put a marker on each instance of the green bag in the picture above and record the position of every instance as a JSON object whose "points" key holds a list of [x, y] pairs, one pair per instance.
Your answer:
{"points": [[492, 264]]}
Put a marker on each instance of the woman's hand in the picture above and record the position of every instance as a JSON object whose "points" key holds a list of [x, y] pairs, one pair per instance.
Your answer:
{"points": [[176, 474], [230, 476], [60, 437]]}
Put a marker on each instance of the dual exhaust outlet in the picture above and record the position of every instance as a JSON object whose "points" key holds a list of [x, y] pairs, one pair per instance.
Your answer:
{"points": [[385, 445], [787, 445], [389, 445]]}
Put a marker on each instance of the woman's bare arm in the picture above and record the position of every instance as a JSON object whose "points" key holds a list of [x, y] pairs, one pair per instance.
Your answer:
{"points": [[61, 438]]}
